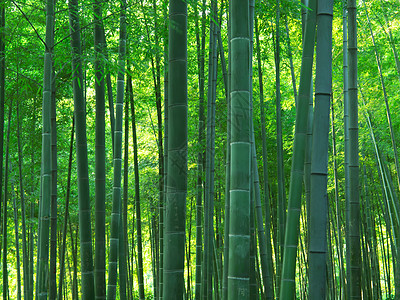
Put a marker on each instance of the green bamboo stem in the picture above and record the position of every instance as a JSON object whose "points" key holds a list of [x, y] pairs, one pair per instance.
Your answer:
{"points": [[375, 260], [137, 202], [116, 198], [188, 255], [130, 256], [157, 87], [85, 231], [289, 51], [279, 142], [336, 258], [287, 284], [396, 229], [304, 5], [330, 265], [391, 203], [366, 288], [389, 194], [122, 258], [25, 257], [108, 83], [162, 204], [100, 154], [221, 53], [123, 234], [16, 235], [383, 251], [43, 257], [5, 208], [307, 161], [31, 250], [227, 169], [2, 88], [66, 214], [207, 271], [217, 259], [54, 195], [373, 282], [2, 98], [200, 44], [262, 239], [354, 263], [385, 97], [239, 229], [319, 160], [74, 250], [267, 274], [254, 291], [391, 39], [253, 288], [391, 230], [338, 207], [346, 138], [174, 234]]}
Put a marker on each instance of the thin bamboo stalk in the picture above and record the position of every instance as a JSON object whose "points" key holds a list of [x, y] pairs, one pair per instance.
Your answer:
{"points": [[117, 161], [5, 207], [287, 286], [227, 169], [339, 243], [385, 97], [267, 276], [354, 263], [66, 214], [44, 227], [25, 255], [207, 286], [100, 155], [200, 156], [279, 141]]}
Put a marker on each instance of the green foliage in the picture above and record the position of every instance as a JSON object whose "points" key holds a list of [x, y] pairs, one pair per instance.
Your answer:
{"points": [[24, 73]]}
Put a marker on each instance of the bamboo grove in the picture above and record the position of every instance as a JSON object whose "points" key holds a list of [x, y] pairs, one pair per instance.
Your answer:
{"points": [[207, 149]]}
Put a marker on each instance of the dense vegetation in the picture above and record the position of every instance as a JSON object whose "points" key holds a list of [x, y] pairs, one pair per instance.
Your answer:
{"points": [[199, 149]]}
